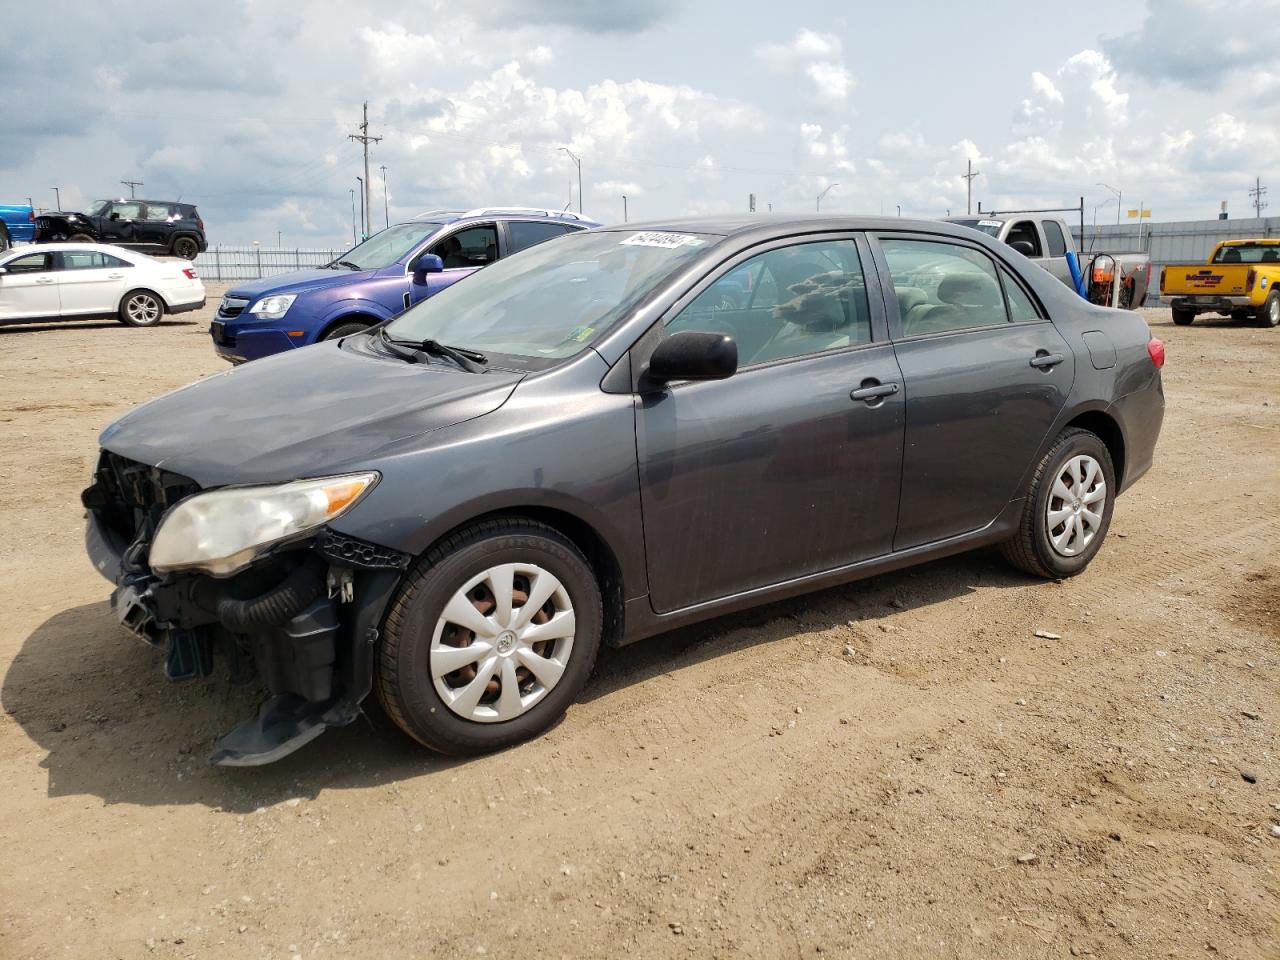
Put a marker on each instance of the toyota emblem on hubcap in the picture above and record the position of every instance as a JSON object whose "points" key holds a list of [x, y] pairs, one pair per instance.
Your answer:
{"points": [[506, 640]]}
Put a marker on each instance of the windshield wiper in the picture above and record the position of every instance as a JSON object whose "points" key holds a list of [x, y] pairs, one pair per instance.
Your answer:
{"points": [[348, 263], [470, 360]]}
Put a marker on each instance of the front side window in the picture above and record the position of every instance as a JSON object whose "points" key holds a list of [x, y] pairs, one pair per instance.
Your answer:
{"points": [[942, 287], [1025, 230], [469, 248], [126, 211], [555, 299], [31, 263], [90, 260], [1053, 236], [529, 233], [788, 302]]}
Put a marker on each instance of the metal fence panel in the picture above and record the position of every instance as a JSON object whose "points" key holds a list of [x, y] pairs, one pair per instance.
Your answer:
{"points": [[247, 263], [1182, 241]]}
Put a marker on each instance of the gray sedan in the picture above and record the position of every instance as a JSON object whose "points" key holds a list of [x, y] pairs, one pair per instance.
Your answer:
{"points": [[607, 436]]}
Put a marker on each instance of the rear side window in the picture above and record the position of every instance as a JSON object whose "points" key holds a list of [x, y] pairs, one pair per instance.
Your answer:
{"points": [[1021, 309], [528, 233], [1053, 236], [159, 211], [90, 260], [942, 287], [1026, 230]]}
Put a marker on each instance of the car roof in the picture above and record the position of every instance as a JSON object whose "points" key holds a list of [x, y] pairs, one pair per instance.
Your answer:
{"points": [[506, 213], [130, 255], [735, 225], [172, 203]]}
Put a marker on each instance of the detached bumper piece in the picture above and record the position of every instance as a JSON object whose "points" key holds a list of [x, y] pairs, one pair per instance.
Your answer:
{"points": [[301, 622]]}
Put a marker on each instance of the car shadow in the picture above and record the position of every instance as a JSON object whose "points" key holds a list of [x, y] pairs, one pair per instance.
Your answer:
{"points": [[94, 698], [10, 328]]}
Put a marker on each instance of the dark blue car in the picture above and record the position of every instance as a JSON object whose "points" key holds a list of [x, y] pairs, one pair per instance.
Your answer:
{"points": [[372, 282]]}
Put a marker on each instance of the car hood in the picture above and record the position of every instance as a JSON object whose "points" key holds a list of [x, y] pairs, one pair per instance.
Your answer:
{"points": [[319, 410], [299, 281]]}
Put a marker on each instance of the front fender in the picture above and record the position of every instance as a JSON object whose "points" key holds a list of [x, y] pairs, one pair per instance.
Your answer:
{"points": [[351, 306]]}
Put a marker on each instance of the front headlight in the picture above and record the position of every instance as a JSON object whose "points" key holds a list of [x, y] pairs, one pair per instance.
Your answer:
{"points": [[222, 531], [273, 307]]}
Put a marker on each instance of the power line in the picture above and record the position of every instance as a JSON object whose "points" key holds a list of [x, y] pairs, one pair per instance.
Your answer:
{"points": [[364, 138], [1257, 193]]}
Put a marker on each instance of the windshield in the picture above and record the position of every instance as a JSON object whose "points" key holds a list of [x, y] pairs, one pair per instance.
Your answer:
{"points": [[552, 300], [1249, 253], [387, 246], [989, 227], [97, 207]]}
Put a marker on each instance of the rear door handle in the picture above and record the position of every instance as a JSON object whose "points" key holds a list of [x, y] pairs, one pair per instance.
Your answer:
{"points": [[872, 390], [45, 280], [115, 276], [1044, 360]]}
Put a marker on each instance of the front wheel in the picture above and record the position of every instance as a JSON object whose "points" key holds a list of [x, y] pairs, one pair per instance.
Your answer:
{"points": [[141, 308], [80, 238], [345, 330], [1269, 314], [1067, 509], [1183, 317], [491, 638]]}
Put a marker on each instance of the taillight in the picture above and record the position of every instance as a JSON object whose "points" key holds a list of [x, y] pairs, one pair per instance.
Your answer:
{"points": [[190, 273], [1250, 277], [1163, 271], [1155, 350], [199, 224], [31, 216]]}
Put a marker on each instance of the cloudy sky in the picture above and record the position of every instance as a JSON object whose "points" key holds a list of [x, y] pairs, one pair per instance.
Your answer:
{"points": [[244, 106]]}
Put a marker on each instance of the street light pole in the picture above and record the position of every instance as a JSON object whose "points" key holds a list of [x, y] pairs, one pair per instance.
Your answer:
{"points": [[57, 198], [624, 208], [1119, 199], [578, 161], [352, 191], [818, 206], [386, 211], [364, 219]]}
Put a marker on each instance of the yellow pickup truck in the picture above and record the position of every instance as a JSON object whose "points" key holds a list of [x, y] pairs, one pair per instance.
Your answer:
{"points": [[1241, 279]]}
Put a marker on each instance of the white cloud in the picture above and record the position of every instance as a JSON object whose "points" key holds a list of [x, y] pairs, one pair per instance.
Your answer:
{"points": [[1045, 87], [816, 55]]}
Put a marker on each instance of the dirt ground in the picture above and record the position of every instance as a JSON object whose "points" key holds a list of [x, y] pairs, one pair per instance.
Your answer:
{"points": [[898, 768]]}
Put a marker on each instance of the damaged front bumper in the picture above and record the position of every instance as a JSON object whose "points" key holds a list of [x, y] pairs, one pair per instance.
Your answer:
{"points": [[302, 621]]}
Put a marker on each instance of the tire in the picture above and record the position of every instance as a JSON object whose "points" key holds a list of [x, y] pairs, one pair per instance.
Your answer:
{"points": [[5, 244], [141, 308], [186, 248], [345, 330], [458, 573], [80, 238], [1054, 551], [1183, 317], [1269, 313]]}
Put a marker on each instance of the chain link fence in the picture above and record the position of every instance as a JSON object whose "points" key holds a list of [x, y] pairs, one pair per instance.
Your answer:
{"points": [[248, 263]]}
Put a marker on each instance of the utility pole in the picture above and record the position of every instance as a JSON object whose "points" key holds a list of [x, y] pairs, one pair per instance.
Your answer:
{"points": [[386, 211], [1258, 192], [351, 190], [364, 221], [57, 198], [131, 184], [577, 160], [968, 188], [364, 138]]}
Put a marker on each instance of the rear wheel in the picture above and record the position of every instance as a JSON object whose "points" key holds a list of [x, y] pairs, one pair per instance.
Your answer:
{"points": [[186, 248], [1067, 509], [1269, 313], [4, 238], [345, 330], [141, 308], [1183, 317], [491, 638], [80, 238]]}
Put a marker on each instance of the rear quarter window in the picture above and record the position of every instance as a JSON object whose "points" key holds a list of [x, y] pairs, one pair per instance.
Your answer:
{"points": [[1053, 236]]}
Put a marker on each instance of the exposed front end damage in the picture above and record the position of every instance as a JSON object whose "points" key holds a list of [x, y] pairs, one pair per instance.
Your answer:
{"points": [[300, 620]]}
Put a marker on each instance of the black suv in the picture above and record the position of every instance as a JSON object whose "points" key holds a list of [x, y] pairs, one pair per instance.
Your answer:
{"points": [[150, 225]]}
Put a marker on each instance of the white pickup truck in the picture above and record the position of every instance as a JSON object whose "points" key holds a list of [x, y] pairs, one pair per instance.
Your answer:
{"points": [[1046, 240]]}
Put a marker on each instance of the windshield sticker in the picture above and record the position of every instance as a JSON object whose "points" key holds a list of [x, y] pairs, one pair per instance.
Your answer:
{"points": [[990, 223], [667, 241], [582, 334]]}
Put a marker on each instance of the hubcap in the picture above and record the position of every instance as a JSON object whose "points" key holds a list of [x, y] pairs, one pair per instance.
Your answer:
{"points": [[1077, 500], [143, 310], [502, 642]]}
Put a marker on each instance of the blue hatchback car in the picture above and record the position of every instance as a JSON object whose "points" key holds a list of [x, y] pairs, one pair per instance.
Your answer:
{"points": [[374, 281]]}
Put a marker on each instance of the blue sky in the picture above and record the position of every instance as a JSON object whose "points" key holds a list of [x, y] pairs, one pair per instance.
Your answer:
{"points": [[684, 107]]}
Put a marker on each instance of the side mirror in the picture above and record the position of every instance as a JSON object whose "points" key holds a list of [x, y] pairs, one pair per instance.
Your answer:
{"points": [[1024, 247], [115, 216], [428, 263], [693, 355]]}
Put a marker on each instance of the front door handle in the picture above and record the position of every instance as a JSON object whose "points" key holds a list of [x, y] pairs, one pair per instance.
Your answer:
{"points": [[115, 276], [45, 280], [1045, 360], [873, 390]]}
